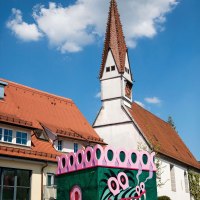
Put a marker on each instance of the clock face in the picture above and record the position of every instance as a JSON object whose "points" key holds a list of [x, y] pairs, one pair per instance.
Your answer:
{"points": [[128, 89]]}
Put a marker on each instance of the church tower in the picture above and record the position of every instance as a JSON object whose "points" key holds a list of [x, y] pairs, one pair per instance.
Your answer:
{"points": [[112, 122], [115, 73]]}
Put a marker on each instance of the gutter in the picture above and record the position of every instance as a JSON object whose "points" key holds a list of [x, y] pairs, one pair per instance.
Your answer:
{"points": [[42, 171]]}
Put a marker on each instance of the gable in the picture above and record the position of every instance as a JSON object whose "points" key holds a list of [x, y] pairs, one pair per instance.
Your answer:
{"points": [[110, 69]]}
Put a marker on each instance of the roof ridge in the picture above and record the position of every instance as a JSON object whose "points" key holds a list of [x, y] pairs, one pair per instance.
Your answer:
{"points": [[30, 89]]}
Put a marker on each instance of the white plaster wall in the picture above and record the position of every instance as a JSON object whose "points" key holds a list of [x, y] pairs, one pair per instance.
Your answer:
{"points": [[118, 136], [127, 65], [111, 88], [51, 168], [68, 145], [180, 193], [110, 113], [110, 62]]}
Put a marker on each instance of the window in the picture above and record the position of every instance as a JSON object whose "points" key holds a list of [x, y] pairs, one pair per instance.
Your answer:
{"points": [[21, 138], [128, 89], [59, 145], [107, 69], [7, 135], [16, 137], [126, 70], [186, 182], [75, 147], [51, 180], [0, 133], [173, 180], [113, 68], [15, 184]]}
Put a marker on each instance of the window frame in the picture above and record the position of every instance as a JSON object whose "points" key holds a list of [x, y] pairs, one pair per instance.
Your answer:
{"points": [[14, 131], [75, 147], [16, 184], [173, 177], [53, 180], [107, 69], [186, 182], [113, 68], [8, 136], [60, 146], [20, 132], [1, 133]]}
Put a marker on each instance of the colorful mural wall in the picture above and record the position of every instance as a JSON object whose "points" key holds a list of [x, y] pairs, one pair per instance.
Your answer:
{"points": [[106, 174]]}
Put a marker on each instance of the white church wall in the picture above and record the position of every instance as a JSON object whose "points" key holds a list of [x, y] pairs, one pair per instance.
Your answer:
{"points": [[111, 113], [111, 88], [180, 186], [120, 136], [126, 74], [110, 62]]}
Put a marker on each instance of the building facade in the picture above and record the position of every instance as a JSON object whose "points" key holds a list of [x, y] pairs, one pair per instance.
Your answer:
{"points": [[36, 127], [124, 124]]}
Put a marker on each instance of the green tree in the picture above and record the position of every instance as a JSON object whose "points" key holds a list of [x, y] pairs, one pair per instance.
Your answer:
{"points": [[171, 122]]}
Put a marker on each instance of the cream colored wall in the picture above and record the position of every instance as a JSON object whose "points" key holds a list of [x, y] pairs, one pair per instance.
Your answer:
{"points": [[35, 167]]}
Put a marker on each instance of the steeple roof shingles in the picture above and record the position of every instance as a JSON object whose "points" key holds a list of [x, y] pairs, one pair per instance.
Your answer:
{"points": [[114, 40]]}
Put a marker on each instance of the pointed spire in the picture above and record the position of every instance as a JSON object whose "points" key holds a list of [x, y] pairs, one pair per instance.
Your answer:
{"points": [[114, 39]]}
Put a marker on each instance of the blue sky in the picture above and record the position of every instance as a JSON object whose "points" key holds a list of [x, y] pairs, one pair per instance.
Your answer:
{"points": [[64, 57]]}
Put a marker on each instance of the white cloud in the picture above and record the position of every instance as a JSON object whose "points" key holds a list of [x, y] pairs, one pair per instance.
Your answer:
{"points": [[71, 28], [140, 104], [24, 31], [153, 100], [98, 95]]}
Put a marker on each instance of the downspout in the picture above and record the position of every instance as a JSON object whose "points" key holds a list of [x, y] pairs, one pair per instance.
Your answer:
{"points": [[42, 171]]}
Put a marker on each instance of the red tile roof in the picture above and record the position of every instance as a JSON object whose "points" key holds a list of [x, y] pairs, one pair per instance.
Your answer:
{"points": [[40, 150], [30, 108], [160, 133], [114, 40]]}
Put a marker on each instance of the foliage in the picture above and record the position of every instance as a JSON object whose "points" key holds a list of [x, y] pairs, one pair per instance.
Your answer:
{"points": [[194, 182], [171, 122], [164, 198], [158, 162]]}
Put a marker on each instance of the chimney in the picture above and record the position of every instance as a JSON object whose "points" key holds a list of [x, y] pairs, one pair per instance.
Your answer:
{"points": [[2, 89]]}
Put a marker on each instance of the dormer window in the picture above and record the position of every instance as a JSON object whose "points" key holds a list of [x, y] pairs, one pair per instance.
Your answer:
{"points": [[113, 68], [21, 138], [14, 136], [107, 69]]}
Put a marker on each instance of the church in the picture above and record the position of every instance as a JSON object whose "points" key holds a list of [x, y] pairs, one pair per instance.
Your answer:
{"points": [[123, 123]]}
